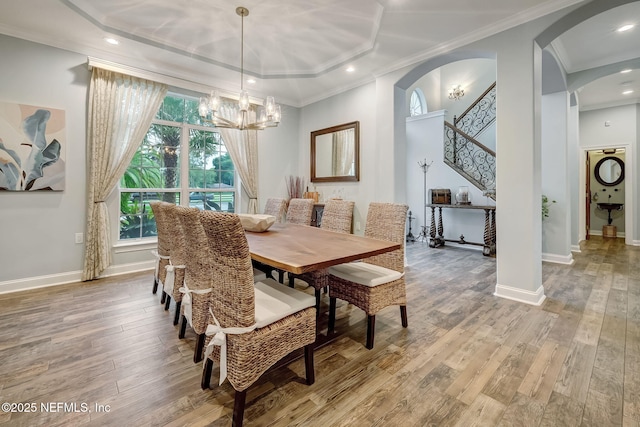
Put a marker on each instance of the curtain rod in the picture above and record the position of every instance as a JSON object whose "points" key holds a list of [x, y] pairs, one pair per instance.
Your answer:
{"points": [[162, 78]]}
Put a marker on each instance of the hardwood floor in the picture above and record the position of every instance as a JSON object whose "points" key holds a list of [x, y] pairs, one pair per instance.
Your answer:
{"points": [[468, 358]]}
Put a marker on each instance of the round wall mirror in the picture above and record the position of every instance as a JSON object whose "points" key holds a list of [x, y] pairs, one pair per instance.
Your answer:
{"points": [[609, 171]]}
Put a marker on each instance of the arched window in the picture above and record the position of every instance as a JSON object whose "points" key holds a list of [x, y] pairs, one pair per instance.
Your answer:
{"points": [[417, 103]]}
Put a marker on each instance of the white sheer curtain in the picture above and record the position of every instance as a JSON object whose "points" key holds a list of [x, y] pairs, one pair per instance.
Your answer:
{"points": [[120, 112], [343, 152], [242, 146]]}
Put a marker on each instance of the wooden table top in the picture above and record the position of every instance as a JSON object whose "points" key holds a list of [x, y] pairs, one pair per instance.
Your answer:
{"points": [[299, 248]]}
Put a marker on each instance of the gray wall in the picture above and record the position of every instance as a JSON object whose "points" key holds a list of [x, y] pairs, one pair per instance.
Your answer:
{"points": [[425, 140], [38, 228], [350, 106], [621, 132]]}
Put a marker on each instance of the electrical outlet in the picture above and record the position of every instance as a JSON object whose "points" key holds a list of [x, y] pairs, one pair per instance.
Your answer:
{"points": [[79, 237], [357, 225]]}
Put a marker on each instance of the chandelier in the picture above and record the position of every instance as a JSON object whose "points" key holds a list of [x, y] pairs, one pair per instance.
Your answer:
{"points": [[211, 109], [456, 93]]}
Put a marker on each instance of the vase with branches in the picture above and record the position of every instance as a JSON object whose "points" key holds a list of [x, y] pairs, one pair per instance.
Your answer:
{"points": [[295, 186]]}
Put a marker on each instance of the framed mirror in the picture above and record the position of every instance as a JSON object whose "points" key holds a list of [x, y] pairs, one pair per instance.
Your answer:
{"points": [[609, 171], [335, 153]]}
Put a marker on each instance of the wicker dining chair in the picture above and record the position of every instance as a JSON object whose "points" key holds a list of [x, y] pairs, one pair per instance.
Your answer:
{"points": [[276, 207], [251, 325], [176, 269], [378, 281], [198, 279], [337, 216], [162, 252], [300, 211]]}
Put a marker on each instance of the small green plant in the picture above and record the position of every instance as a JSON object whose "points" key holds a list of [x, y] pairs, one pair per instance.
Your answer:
{"points": [[545, 206]]}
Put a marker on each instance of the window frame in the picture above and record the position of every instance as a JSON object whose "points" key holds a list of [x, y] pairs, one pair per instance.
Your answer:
{"points": [[183, 190], [419, 95]]}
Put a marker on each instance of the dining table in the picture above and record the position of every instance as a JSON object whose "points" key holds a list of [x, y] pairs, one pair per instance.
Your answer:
{"points": [[299, 248]]}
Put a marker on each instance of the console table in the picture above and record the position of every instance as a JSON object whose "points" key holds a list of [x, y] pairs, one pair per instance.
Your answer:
{"points": [[489, 244]]}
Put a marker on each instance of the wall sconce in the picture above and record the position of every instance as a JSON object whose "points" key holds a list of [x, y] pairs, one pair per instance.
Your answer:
{"points": [[456, 93]]}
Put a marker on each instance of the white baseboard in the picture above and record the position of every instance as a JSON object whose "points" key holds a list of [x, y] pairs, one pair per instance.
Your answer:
{"points": [[558, 259], [521, 295], [69, 277], [576, 249]]}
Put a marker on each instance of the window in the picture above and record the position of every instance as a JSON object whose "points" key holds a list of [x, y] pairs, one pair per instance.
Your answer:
{"points": [[181, 160], [417, 103]]}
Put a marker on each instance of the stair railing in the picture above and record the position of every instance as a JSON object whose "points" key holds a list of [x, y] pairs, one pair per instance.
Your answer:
{"points": [[479, 115], [469, 157]]}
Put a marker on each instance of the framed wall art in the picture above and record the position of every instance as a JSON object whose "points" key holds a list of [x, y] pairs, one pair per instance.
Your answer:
{"points": [[32, 147]]}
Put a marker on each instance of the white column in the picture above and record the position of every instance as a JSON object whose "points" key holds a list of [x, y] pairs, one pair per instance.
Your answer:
{"points": [[556, 229], [519, 263]]}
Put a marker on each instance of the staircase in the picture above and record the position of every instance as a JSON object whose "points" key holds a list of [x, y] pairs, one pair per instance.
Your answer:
{"points": [[465, 154]]}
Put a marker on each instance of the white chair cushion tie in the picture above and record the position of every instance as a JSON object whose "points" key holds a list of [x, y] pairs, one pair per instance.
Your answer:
{"points": [[186, 300], [158, 258], [170, 280], [220, 339]]}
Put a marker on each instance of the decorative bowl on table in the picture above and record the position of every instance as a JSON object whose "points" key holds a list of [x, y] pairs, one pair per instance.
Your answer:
{"points": [[256, 223]]}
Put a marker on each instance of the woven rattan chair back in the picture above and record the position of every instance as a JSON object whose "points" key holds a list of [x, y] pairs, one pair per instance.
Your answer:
{"points": [[386, 221], [164, 239], [300, 211], [178, 247], [337, 215], [250, 352], [164, 244], [276, 207], [233, 297], [198, 264], [176, 237]]}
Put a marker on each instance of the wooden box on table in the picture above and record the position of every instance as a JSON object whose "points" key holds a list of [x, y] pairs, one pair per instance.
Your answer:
{"points": [[440, 196]]}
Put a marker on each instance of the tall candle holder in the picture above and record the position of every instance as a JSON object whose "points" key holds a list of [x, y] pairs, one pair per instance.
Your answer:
{"points": [[424, 231]]}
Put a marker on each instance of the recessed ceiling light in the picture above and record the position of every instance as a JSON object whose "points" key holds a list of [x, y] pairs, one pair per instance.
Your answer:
{"points": [[111, 40], [627, 92], [628, 70], [625, 28], [350, 69], [251, 81]]}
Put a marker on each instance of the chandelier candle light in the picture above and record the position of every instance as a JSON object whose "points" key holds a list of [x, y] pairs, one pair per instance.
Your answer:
{"points": [[210, 107], [456, 92]]}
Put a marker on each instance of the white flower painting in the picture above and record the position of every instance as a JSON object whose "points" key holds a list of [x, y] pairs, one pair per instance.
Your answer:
{"points": [[32, 143]]}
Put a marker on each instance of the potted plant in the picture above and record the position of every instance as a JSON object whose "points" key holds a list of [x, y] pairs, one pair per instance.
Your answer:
{"points": [[545, 206]]}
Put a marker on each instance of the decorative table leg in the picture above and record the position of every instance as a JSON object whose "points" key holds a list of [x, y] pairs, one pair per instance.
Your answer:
{"points": [[440, 228], [432, 229], [486, 250], [493, 232]]}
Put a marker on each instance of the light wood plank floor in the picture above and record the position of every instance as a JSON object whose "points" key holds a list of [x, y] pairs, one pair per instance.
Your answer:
{"points": [[467, 358]]}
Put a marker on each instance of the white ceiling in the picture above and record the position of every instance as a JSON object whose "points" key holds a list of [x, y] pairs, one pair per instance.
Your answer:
{"points": [[299, 50], [596, 43]]}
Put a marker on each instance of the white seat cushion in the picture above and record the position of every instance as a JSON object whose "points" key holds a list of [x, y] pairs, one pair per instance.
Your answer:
{"points": [[364, 273], [275, 301], [258, 275]]}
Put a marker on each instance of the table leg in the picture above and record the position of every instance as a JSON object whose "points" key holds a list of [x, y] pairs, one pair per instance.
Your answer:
{"points": [[440, 227], [432, 229], [486, 250], [493, 232]]}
